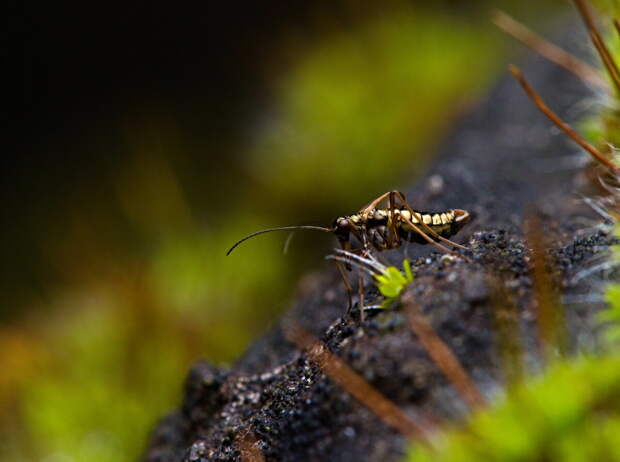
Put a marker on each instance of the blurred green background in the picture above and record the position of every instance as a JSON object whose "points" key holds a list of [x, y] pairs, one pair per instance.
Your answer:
{"points": [[150, 137]]}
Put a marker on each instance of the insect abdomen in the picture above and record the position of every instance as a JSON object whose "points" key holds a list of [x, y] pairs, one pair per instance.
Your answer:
{"points": [[443, 223], [431, 219]]}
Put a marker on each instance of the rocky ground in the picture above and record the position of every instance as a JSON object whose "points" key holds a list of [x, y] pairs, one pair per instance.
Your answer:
{"points": [[502, 161]]}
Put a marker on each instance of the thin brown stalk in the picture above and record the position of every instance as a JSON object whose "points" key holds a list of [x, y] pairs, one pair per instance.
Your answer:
{"points": [[608, 62], [548, 50], [506, 326], [617, 24], [535, 97], [550, 316], [355, 385], [249, 448], [598, 42], [442, 355]]}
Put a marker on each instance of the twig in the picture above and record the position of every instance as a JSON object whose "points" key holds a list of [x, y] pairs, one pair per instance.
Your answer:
{"points": [[441, 354], [598, 155], [551, 322], [355, 385], [548, 50], [607, 59], [598, 42], [249, 448], [506, 323]]}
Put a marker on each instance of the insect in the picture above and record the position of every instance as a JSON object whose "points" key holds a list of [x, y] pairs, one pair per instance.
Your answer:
{"points": [[385, 229]]}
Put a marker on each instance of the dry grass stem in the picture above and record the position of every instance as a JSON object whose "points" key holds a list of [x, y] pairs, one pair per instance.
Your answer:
{"points": [[550, 316], [607, 59], [548, 50], [442, 355], [355, 385], [507, 328], [535, 97], [249, 448], [598, 42]]}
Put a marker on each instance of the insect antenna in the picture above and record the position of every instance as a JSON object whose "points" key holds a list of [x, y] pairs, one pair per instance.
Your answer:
{"points": [[284, 228]]}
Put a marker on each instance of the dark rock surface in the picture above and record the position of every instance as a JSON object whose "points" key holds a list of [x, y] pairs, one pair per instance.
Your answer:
{"points": [[502, 160]]}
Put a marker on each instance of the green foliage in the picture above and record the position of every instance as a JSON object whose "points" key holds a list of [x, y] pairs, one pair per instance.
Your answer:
{"points": [[571, 413], [392, 281], [375, 98], [609, 8], [101, 402], [603, 127]]}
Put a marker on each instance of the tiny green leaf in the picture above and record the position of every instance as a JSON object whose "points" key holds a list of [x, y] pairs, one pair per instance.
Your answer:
{"points": [[392, 281]]}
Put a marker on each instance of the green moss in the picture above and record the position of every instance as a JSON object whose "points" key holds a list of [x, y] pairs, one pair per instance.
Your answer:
{"points": [[374, 98], [571, 413], [101, 401]]}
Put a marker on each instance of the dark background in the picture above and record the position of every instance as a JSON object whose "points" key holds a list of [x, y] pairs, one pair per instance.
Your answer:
{"points": [[86, 73]]}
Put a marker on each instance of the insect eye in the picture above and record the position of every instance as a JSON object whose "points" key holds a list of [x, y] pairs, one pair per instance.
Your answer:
{"points": [[342, 223]]}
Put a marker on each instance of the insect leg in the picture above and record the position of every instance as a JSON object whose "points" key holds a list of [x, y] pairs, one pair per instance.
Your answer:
{"points": [[393, 236], [424, 226], [347, 285], [376, 239], [360, 288], [364, 252], [371, 206], [428, 239]]}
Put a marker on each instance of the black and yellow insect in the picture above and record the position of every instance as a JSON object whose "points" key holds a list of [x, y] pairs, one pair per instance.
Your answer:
{"points": [[384, 229]]}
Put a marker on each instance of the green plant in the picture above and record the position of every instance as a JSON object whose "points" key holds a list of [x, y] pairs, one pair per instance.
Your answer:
{"points": [[570, 413], [391, 281]]}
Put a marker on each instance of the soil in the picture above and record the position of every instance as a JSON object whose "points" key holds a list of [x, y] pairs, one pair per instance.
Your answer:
{"points": [[503, 161]]}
